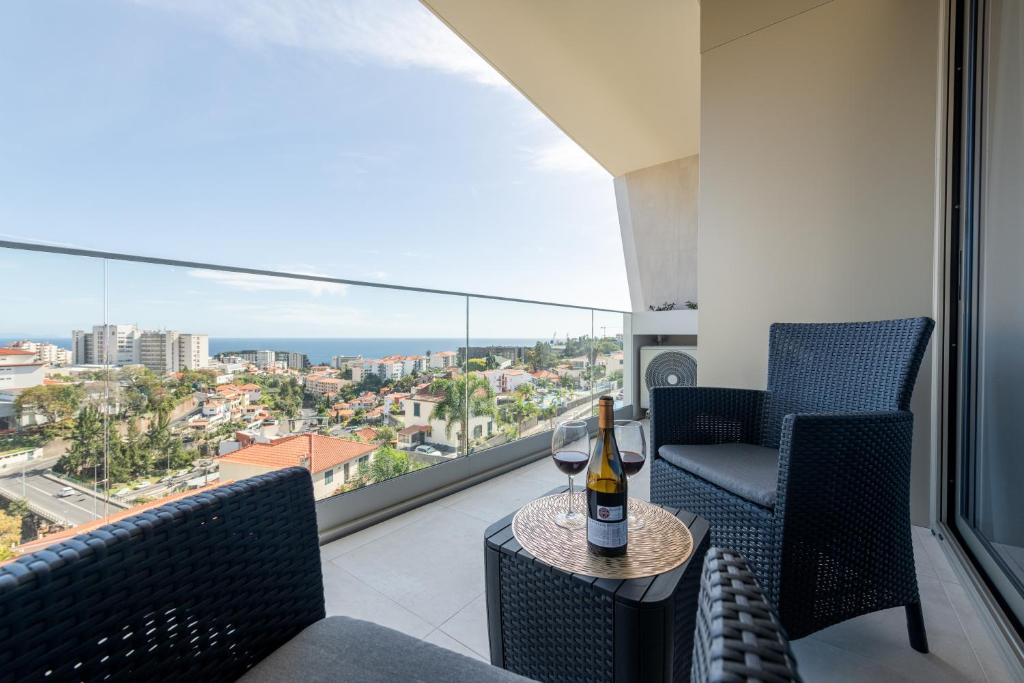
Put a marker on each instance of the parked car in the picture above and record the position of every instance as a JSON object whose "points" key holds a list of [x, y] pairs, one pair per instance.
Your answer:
{"points": [[426, 450], [65, 491]]}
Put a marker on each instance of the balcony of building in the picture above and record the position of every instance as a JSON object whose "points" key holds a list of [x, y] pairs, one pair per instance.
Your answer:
{"points": [[800, 161]]}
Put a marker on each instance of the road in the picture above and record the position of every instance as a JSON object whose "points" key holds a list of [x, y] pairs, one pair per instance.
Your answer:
{"points": [[42, 494]]}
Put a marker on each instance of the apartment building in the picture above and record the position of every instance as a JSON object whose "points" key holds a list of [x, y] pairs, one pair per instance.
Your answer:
{"points": [[442, 359], [161, 351], [324, 385], [45, 352], [19, 369], [342, 362]]}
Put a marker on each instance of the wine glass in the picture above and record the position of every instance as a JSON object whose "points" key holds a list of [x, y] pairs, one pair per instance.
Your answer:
{"points": [[570, 448], [629, 435]]}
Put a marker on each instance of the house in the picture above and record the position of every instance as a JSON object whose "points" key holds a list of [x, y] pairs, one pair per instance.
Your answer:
{"points": [[412, 436], [419, 410], [366, 434], [331, 461], [611, 361], [505, 381], [544, 376]]}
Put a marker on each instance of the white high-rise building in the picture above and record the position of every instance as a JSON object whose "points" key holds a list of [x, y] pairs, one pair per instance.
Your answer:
{"points": [[161, 351], [115, 344], [193, 351], [265, 359]]}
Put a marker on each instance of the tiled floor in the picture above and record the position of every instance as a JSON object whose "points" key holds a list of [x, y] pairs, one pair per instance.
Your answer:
{"points": [[423, 573]]}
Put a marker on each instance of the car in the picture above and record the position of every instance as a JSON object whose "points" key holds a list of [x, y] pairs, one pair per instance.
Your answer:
{"points": [[426, 450], [65, 491]]}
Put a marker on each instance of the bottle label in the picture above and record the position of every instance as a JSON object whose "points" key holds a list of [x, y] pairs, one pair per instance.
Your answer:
{"points": [[609, 529]]}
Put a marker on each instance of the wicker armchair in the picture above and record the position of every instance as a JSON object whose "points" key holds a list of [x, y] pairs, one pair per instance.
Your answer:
{"points": [[738, 635], [809, 480], [213, 587]]}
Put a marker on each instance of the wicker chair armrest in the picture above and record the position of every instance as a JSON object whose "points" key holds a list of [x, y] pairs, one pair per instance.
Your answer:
{"points": [[826, 454], [738, 636], [704, 415], [844, 501]]}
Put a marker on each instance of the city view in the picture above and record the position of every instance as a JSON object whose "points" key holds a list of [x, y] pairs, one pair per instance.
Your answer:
{"points": [[116, 418]]}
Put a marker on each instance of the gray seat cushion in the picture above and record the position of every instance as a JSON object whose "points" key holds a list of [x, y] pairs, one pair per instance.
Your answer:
{"points": [[354, 651], [750, 472]]}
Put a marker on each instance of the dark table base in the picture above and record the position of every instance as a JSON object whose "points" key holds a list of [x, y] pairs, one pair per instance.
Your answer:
{"points": [[558, 627]]}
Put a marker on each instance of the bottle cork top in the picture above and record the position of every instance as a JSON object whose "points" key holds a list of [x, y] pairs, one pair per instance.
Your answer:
{"points": [[605, 412]]}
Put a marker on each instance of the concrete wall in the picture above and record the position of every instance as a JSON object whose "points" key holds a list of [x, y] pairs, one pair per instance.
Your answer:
{"points": [[658, 220], [817, 188]]}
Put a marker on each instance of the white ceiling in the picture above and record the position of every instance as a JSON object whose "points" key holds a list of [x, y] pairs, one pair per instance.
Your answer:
{"points": [[621, 78]]}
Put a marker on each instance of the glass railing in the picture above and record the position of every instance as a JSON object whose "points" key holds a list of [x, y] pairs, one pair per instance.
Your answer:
{"points": [[126, 382]]}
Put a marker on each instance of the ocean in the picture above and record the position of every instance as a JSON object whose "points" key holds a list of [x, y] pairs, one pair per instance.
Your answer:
{"points": [[320, 350]]}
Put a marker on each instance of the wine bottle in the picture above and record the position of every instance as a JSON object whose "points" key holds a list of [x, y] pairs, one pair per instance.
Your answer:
{"points": [[607, 524]]}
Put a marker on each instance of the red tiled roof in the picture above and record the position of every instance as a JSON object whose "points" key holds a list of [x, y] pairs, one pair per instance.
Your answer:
{"points": [[16, 352], [324, 452], [366, 433], [413, 429]]}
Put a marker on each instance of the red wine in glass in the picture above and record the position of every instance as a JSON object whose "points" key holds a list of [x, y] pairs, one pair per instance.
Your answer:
{"points": [[571, 462], [632, 462]]}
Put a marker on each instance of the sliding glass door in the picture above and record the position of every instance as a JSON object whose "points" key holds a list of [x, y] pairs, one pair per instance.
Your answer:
{"points": [[988, 475]]}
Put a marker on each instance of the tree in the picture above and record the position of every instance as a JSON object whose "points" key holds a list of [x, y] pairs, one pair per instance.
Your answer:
{"points": [[454, 408], [57, 403], [166, 449], [19, 509], [135, 453], [370, 383], [477, 364], [548, 413], [385, 464], [145, 391], [526, 390], [518, 411], [386, 435], [86, 443], [540, 357], [10, 535]]}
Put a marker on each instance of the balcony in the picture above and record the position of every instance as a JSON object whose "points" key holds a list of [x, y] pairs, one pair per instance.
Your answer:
{"points": [[800, 161], [423, 573]]}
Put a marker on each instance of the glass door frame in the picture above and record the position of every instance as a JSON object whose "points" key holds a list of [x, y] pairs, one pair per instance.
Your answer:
{"points": [[965, 91]]}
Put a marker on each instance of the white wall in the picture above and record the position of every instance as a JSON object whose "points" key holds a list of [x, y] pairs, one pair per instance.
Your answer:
{"points": [[658, 219], [818, 153]]}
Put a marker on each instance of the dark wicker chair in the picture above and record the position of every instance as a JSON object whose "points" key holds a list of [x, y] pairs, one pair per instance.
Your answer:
{"points": [[738, 635], [213, 587], [201, 588], [810, 479]]}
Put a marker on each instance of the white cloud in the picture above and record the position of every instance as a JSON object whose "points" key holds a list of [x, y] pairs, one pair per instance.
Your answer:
{"points": [[248, 282], [399, 33], [564, 156]]}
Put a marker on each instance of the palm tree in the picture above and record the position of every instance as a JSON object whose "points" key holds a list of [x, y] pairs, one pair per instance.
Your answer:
{"points": [[548, 413], [463, 397], [519, 411]]}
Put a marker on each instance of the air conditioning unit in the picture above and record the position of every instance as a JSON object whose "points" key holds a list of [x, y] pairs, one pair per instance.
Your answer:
{"points": [[666, 366]]}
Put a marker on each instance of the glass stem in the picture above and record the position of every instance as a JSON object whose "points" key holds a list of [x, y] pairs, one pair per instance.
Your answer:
{"points": [[568, 511]]}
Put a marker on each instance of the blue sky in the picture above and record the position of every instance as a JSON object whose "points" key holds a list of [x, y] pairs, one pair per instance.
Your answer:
{"points": [[354, 139]]}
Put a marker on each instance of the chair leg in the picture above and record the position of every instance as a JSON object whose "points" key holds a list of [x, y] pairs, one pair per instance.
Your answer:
{"points": [[915, 627]]}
